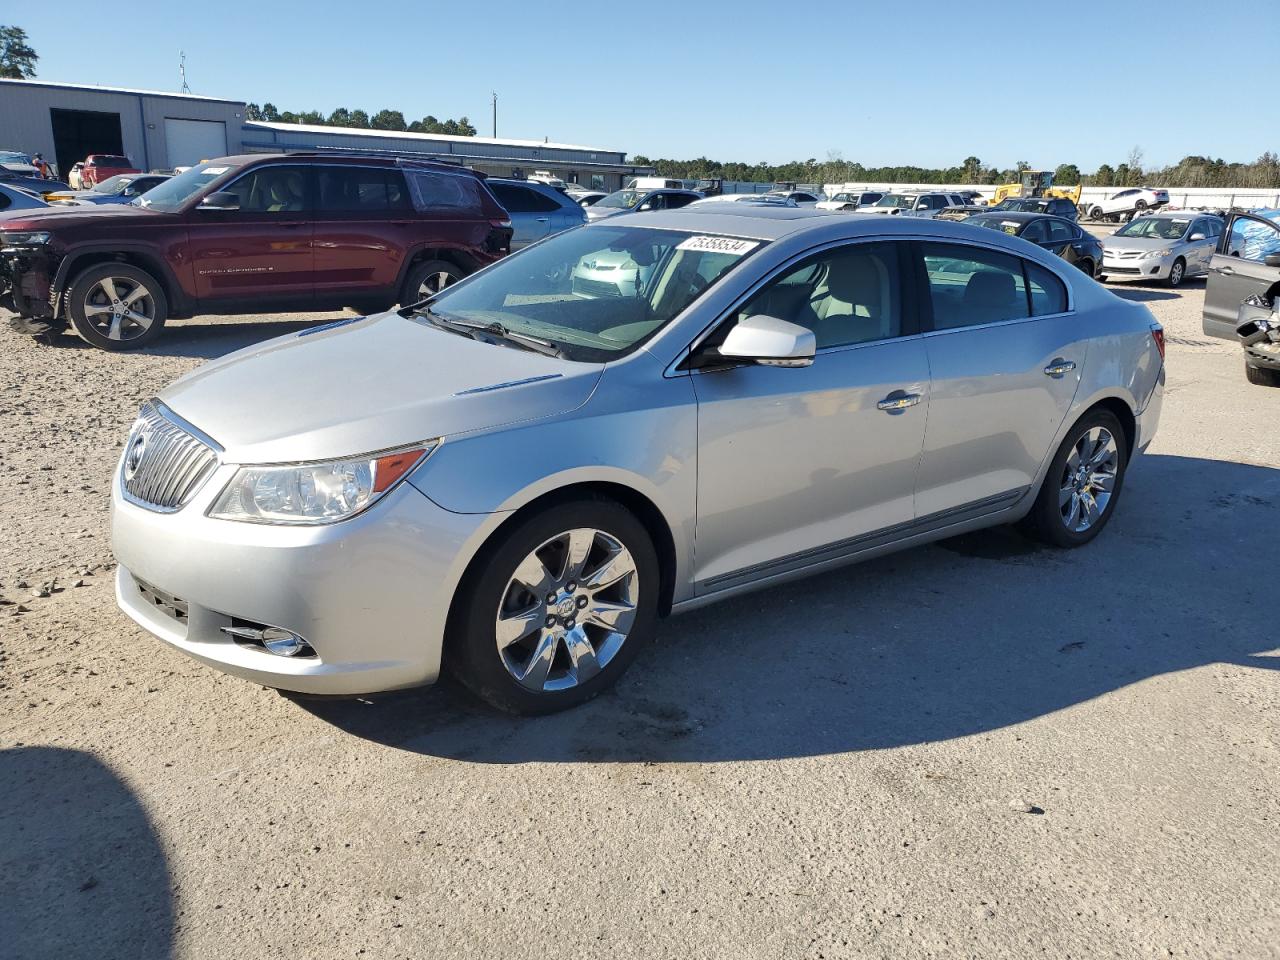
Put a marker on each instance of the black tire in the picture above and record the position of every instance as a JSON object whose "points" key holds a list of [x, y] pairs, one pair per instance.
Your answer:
{"points": [[1096, 214], [89, 289], [1261, 376], [422, 275], [1046, 522], [471, 649], [1101, 278], [1177, 273], [1140, 206], [1086, 266]]}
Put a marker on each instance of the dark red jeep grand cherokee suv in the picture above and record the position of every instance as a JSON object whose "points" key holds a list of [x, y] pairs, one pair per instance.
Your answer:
{"points": [[251, 234]]}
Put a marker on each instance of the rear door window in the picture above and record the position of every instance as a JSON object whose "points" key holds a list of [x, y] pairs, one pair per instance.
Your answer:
{"points": [[362, 190], [518, 199], [676, 200], [1060, 232], [969, 286], [1036, 232]]}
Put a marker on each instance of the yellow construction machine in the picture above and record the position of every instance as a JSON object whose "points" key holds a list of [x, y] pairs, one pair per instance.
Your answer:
{"points": [[1036, 183]]}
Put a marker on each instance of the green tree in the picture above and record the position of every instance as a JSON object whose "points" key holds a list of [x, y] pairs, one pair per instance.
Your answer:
{"points": [[253, 112], [971, 170], [1067, 175], [1122, 176], [388, 120], [340, 118], [360, 119], [1105, 177], [270, 113], [17, 59]]}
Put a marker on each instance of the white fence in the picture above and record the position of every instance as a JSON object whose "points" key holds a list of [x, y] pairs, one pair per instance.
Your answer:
{"points": [[1178, 196]]}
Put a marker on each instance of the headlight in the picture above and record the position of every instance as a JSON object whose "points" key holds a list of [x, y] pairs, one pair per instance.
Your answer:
{"points": [[19, 238], [315, 493], [1155, 253]]}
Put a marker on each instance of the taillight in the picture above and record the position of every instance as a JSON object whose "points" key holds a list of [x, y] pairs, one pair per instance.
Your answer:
{"points": [[1157, 334]]}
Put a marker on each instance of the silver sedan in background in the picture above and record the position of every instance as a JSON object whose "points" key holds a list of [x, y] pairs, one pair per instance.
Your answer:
{"points": [[516, 480], [1167, 247]]}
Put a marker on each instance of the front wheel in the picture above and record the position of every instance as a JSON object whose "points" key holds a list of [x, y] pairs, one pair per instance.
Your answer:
{"points": [[1096, 213], [117, 306], [1177, 273], [556, 610], [1082, 484]]}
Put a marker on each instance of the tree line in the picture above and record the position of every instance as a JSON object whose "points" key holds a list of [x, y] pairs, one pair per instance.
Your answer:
{"points": [[382, 120], [1190, 171]]}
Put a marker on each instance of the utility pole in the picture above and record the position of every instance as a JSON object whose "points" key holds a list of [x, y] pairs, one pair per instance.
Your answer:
{"points": [[182, 69], [495, 113]]}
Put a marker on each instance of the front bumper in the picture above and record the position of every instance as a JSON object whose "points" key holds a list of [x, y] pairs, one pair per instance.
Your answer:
{"points": [[1264, 354], [371, 595], [1156, 268], [26, 278]]}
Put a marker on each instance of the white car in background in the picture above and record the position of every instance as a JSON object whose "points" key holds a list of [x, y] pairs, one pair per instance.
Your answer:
{"points": [[1130, 202], [847, 200], [922, 205]]}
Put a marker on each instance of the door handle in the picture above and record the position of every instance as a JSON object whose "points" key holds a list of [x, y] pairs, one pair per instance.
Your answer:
{"points": [[1058, 368], [543, 219], [898, 401], [1227, 271]]}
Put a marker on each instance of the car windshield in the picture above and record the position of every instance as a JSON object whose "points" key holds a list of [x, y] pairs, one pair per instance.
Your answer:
{"points": [[112, 184], [1010, 227], [168, 196], [896, 200], [1155, 228], [626, 199], [12, 156], [596, 292], [844, 197]]}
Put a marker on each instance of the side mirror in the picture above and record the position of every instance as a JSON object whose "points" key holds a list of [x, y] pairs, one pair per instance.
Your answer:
{"points": [[1196, 236], [1272, 260], [770, 342], [220, 201]]}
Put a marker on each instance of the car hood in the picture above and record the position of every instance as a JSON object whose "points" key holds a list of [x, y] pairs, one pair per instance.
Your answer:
{"points": [[1138, 243], [70, 215], [367, 384]]}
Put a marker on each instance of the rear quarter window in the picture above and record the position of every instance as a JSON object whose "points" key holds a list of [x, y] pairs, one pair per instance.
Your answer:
{"points": [[436, 192]]}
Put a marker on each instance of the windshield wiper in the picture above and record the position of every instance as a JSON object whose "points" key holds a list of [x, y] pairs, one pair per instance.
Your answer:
{"points": [[493, 329]]}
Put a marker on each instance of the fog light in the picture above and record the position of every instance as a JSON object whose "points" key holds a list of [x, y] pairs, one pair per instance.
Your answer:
{"points": [[277, 640], [283, 643]]}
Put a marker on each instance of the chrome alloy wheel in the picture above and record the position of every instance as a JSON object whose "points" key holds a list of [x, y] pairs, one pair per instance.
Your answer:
{"points": [[1088, 479], [433, 283], [567, 610], [120, 308]]}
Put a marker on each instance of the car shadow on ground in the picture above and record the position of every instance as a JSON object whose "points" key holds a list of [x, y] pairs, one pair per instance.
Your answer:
{"points": [[82, 872], [951, 640], [208, 341], [1144, 294]]}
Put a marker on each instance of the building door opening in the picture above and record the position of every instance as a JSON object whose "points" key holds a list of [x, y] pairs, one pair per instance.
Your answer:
{"points": [[78, 133]]}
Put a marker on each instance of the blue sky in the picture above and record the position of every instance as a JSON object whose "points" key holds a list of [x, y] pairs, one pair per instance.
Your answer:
{"points": [[926, 83]]}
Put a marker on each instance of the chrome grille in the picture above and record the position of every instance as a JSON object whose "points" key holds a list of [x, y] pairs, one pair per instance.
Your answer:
{"points": [[165, 462]]}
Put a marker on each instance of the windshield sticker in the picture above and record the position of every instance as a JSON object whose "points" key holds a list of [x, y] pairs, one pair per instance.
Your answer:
{"points": [[729, 245], [214, 171]]}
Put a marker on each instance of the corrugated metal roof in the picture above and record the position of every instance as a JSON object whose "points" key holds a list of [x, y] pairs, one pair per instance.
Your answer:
{"points": [[100, 89], [405, 135]]}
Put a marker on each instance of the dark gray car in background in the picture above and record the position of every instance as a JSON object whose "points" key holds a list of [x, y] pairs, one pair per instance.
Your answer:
{"points": [[1246, 264]]}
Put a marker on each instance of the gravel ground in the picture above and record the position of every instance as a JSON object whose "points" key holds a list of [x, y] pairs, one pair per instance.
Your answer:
{"points": [[974, 749]]}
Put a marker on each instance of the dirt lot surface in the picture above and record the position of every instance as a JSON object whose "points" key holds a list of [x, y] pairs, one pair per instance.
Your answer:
{"points": [[976, 749]]}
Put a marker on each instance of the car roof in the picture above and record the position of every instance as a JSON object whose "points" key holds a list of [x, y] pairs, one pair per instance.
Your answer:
{"points": [[241, 159], [1021, 215], [775, 223]]}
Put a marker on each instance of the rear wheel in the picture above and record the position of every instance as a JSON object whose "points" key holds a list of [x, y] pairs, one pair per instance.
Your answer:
{"points": [[1083, 483], [557, 610], [1177, 272], [117, 306], [1261, 376], [1140, 206], [1086, 267], [427, 279]]}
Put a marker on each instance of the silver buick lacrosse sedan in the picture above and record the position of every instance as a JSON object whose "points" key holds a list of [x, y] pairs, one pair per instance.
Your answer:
{"points": [[515, 478]]}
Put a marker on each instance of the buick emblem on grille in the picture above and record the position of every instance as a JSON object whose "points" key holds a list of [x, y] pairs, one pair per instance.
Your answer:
{"points": [[133, 459]]}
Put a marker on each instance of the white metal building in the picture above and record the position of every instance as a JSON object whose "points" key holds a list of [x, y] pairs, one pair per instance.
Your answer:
{"points": [[159, 131]]}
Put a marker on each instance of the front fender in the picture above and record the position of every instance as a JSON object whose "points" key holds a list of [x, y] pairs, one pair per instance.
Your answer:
{"points": [[638, 432]]}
